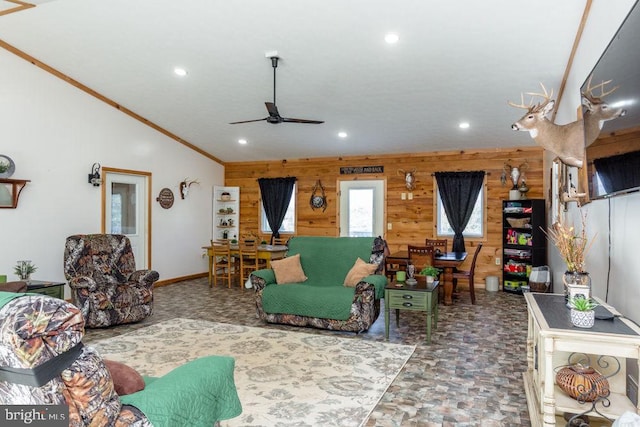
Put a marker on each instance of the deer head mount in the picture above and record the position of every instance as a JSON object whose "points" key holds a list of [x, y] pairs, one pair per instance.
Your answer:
{"points": [[597, 111], [566, 141], [184, 186], [515, 172], [409, 178]]}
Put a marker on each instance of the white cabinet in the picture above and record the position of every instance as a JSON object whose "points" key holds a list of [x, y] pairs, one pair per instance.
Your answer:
{"points": [[226, 213], [611, 346]]}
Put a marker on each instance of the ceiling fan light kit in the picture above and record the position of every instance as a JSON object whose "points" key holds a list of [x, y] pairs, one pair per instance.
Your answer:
{"points": [[274, 116]]}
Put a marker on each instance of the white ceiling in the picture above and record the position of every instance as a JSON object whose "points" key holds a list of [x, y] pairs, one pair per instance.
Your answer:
{"points": [[455, 61]]}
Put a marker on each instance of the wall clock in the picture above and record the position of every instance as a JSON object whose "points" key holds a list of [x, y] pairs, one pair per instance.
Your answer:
{"points": [[318, 198], [165, 198]]}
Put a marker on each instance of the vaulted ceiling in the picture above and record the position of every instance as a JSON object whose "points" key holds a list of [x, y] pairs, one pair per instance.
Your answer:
{"points": [[454, 61]]}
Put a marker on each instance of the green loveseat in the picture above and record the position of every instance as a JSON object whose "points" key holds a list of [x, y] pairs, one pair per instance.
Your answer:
{"points": [[322, 301]]}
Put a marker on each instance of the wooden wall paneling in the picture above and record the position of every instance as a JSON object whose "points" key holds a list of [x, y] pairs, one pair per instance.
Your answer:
{"points": [[412, 220]]}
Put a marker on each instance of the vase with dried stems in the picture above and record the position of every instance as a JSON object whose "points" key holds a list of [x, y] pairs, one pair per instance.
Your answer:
{"points": [[573, 247]]}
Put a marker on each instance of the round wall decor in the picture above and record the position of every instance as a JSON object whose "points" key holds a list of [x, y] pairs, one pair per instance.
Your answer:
{"points": [[318, 200], [165, 198], [7, 167]]}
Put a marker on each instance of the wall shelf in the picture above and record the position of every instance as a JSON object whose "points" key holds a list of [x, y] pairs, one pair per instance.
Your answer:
{"points": [[10, 190], [221, 229]]}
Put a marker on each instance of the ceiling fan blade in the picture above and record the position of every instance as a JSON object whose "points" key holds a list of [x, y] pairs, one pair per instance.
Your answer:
{"points": [[312, 122], [249, 121], [272, 109]]}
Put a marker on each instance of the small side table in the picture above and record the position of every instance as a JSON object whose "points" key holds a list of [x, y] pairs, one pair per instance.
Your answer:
{"points": [[419, 297], [52, 289]]}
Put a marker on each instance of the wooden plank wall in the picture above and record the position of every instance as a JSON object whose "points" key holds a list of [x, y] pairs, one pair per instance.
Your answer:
{"points": [[412, 220]]}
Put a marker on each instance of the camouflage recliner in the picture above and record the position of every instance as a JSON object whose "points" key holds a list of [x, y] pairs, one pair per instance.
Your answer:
{"points": [[104, 283], [43, 362], [35, 329]]}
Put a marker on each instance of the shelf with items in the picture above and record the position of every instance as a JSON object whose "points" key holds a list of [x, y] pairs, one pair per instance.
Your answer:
{"points": [[226, 211], [524, 243], [10, 190], [611, 348]]}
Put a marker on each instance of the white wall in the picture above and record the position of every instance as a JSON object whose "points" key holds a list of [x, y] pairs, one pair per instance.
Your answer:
{"points": [[613, 221], [54, 132]]}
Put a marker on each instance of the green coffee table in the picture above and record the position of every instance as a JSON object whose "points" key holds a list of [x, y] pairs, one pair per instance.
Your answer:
{"points": [[420, 297], [53, 289]]}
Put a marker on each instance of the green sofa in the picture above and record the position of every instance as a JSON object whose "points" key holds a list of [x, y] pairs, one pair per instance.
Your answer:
{"points": [[322, 300]]}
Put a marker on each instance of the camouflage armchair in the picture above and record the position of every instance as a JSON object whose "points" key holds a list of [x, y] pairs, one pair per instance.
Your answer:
{"points": [[104, 283], [44, 362], [36, 328]]}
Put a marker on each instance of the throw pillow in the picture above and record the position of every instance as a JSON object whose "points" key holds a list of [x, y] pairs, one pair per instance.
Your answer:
{"points": [[288, 270], [126, 380], [359, 271]]}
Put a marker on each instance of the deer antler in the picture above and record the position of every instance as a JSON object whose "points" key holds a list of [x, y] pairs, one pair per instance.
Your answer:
{"points": [[534, 108], [597, 98]]}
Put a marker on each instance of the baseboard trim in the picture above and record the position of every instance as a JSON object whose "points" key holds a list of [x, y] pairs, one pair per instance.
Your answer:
{"points": [[180, 279]]}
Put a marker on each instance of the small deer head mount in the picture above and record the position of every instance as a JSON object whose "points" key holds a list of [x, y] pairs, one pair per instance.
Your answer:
{"points": [[409, 178], [515, 172], [184, 186]]}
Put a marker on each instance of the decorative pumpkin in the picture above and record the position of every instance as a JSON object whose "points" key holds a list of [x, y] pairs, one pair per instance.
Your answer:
{"points": [[582, 383]]}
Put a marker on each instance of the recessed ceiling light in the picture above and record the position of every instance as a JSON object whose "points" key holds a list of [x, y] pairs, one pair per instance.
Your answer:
{"points": [[464, 125], [180, 71], [342, 134], [391, 38], [242, 141]]}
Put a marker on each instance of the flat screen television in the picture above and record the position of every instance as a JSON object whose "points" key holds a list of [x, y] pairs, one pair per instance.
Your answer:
{"points": [[613, 160]]}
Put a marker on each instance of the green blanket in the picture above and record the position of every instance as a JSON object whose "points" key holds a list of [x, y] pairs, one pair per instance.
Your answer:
{"points": [[196, 394], [5, 297]]}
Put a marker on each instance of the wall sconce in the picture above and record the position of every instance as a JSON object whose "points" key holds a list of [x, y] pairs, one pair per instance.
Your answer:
{"points": [[94, 176]]}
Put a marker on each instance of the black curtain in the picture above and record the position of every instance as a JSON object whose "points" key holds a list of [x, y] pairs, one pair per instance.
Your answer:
{"points": [[276, 195], [619, 172], [459, 191]]}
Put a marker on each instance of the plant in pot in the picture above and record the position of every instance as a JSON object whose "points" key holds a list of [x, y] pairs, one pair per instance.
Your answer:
{"points": [[573, 247], [431, 272], [582, 311], [24, 269]]}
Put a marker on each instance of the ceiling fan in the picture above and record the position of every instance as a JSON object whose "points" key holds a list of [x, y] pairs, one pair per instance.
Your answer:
{"points": [[274, 116]]}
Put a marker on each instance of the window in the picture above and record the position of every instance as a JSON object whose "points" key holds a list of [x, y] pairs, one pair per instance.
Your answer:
{"points": [[360, 212], [475, 226], [288, 224]]}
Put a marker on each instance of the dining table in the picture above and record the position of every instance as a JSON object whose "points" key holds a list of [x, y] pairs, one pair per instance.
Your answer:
{"points": [[266, 252], [447, 261]]}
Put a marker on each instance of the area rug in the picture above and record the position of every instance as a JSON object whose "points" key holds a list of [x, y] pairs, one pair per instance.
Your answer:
{"points": [[283, 378]]}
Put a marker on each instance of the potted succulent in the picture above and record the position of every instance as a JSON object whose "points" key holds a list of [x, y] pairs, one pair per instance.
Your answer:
{"points": [[582, 311], [24, 269], [431, 272]]}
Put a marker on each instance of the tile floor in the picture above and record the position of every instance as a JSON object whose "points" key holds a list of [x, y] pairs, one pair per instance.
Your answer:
{"points": [[471, 374]]}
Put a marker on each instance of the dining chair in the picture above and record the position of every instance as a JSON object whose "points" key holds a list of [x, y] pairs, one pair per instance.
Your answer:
{"points": [[249, 261], [438, 244], [279, 241], [468, 275], [421, 256], [393, 265], [222, 263]]}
